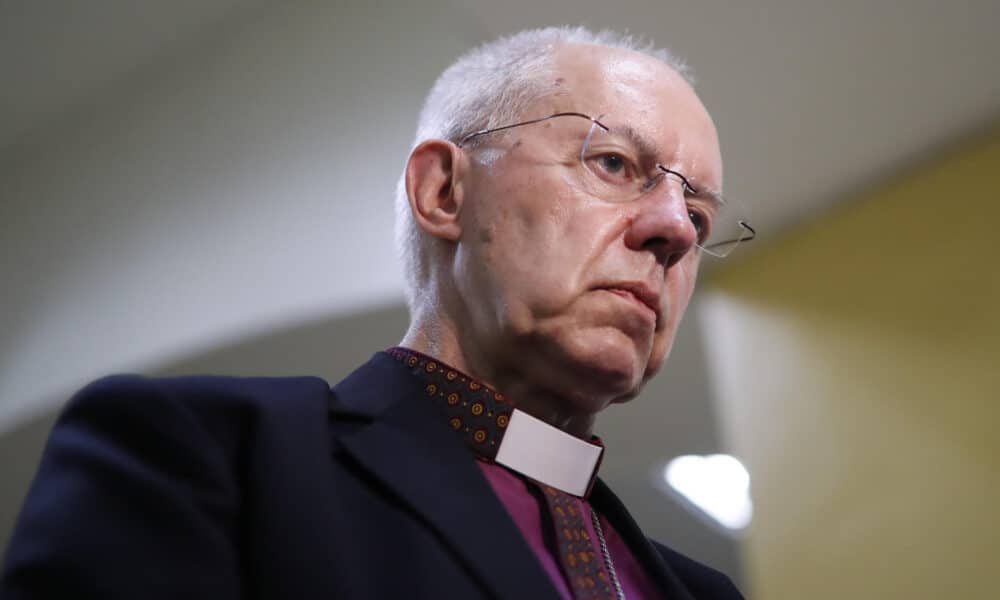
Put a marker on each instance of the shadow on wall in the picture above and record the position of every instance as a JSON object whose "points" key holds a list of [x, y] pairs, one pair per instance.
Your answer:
{"points": [[327, 348]]}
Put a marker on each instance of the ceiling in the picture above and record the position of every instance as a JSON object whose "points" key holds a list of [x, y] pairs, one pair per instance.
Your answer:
{"points": [[814, 100], [55, 56]]}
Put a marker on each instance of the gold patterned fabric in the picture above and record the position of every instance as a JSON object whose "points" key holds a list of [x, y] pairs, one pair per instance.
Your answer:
{"points": [[584, 567], [480, 415]]}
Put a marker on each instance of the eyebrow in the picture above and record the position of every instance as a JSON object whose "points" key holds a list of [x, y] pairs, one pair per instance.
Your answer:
{"points": [[647, 148], [637, 139]]}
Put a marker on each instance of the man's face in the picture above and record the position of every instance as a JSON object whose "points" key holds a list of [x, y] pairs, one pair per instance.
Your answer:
{"points": [[584, 293]]}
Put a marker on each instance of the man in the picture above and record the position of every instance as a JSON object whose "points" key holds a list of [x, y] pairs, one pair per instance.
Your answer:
{"points": [[552, 217]]}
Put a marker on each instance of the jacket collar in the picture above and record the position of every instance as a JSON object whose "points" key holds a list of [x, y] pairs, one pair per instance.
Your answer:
{"points": [[409, 448], [406, 444]]}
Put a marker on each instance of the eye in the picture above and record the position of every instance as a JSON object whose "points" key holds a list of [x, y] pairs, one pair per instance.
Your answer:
{"points": [[612, 163], [702, 224], [614, 167]]}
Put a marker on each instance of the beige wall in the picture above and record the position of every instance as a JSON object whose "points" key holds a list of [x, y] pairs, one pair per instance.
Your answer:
{"points": [[858, 365]]}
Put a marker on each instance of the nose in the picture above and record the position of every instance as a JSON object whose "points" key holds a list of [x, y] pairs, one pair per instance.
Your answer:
{"points": [[661, 224]]}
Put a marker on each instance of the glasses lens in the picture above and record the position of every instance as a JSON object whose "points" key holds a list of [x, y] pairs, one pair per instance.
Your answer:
{"points": [[729, 228], [618, 169]]}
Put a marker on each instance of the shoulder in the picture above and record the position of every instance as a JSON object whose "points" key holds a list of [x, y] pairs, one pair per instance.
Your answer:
{"points": [[144, 482], [702, 580], [198, 390], [202, 409], [197, 394]]}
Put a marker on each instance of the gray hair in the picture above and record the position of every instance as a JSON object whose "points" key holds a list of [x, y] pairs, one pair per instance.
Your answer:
{"points": [[488, 87]]}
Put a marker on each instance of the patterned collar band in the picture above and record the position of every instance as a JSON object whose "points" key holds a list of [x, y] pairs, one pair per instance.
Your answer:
{"points": [[497, 431]]}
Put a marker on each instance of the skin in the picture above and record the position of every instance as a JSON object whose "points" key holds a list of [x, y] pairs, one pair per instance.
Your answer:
{"points": [[526, 288]]}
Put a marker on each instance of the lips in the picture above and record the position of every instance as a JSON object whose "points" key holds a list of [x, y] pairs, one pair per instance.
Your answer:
{"points": [[637, 292]]}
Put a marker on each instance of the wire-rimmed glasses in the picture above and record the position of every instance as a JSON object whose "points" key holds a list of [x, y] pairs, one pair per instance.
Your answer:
{"points": [[617, 165]]}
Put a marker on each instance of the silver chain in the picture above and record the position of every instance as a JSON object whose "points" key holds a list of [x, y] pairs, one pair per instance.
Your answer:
{"points": [[607, 555]]}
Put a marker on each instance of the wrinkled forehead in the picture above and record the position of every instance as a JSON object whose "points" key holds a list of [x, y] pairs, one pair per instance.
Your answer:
{"points": [[633, 92]]}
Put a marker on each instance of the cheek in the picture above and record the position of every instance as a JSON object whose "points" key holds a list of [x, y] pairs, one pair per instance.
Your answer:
{"points": [[687, 276], [535, 242], [681, 288], [511, 256], [564, 253]]}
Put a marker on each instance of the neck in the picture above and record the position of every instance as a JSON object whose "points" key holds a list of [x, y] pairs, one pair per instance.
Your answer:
{"points": [[434, 337]]}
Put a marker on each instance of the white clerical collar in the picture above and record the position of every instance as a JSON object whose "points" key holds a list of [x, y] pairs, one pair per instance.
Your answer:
{"points": [[548, 454]]}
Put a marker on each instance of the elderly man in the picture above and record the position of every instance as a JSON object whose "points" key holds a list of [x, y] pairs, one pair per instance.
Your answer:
{"points": [[552, 215]]}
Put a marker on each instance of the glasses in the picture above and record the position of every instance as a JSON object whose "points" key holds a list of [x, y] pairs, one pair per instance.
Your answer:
{"points": [[616, 165]]}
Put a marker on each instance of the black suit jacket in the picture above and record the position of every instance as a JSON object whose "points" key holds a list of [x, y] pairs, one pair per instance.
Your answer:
{"points": [[213, 487]]}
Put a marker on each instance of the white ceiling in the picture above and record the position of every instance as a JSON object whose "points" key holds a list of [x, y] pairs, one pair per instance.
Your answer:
{"points": [[55, 55], [814, 99]]}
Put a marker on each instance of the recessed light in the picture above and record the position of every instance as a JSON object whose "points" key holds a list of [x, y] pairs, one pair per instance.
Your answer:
{"points": [[718, 485]]}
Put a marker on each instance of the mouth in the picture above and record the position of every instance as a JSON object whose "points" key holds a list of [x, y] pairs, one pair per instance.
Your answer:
{"points": [[639, 294]]}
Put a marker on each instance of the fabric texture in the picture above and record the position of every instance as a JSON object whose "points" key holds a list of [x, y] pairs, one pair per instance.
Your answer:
{"points": [[584, 566], [474, 411], [215, 487], [480, 416], [529, 511]]}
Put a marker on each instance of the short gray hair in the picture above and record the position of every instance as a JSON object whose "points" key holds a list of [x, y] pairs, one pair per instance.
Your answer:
{"points": [[488, 87]]}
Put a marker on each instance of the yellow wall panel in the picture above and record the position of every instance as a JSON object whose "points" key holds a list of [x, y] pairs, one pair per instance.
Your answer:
{"points": [[858, 361]]}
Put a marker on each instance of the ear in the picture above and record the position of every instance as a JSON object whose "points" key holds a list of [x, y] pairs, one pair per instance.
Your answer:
{"points": [[433, 186]]}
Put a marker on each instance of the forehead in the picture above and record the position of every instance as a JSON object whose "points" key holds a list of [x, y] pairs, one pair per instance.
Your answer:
{"points": [[631, 90]]}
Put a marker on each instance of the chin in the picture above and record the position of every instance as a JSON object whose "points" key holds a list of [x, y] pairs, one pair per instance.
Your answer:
{"points": [[608, 364]]}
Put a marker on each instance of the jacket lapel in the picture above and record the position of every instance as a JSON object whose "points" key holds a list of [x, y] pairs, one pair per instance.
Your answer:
{"points": [[605, 501], [409, 448]]}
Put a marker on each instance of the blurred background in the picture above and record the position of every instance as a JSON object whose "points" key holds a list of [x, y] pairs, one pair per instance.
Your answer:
{"points": [[206, 186]]}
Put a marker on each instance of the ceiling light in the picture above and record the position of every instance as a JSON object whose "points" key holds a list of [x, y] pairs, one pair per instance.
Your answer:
{"points": [[718, 485]]}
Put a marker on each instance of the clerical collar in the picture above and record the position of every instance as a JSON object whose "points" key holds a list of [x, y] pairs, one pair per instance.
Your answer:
{"points": [[498, 432]]}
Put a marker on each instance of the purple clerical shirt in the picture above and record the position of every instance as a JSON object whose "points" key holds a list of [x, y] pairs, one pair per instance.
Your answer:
{"points": [[526, 510], [483, 411]]}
